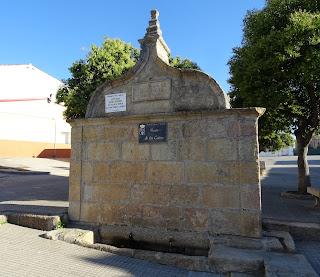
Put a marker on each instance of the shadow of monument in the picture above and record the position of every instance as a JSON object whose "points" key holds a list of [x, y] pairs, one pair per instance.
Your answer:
{"points": [[134, 267]]}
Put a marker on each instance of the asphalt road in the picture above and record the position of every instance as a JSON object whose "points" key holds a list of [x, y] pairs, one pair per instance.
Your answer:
{"points": [[34, 192]]}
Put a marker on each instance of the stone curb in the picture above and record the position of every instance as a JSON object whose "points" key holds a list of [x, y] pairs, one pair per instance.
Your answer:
{"points": [[227, 260], [194, 263], [294, 195], [299, 230], [74, 236], [85, 238], [259, 263], [3, 219], [263, 168], [285, 239], [40, 222]]}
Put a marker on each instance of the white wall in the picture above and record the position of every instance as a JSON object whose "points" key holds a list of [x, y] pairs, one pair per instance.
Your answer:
{"points": [[31, 119], [35, 121], [26, 81], [288, 151]]}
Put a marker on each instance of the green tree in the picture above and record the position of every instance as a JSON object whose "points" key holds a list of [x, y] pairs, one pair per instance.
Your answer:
{"points": [[277, 67], [103, 63], [178, 62], [107, 62]]}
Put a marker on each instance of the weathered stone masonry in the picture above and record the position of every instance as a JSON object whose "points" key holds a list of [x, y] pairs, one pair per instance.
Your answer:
{"points": [[204, 180]]}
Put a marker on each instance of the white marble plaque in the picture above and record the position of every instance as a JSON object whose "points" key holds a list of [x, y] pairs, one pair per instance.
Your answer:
{"points": [[116, 102]]}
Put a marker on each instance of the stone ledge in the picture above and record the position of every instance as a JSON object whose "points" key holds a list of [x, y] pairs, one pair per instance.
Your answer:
{"points": [[258, 262], [196, 263], [300, 230], [284, 237], [254, 111], [74, 236], [86, 238], [40, 222], [275, 241], [175, 238]]}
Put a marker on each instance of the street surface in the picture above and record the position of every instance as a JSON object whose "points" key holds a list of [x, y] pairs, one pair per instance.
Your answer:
{"points": [[34, 192]]}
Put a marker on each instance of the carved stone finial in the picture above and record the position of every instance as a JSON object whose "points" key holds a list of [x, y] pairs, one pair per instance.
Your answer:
{"points": [[153, 39], [154, 14], [154, 24]]}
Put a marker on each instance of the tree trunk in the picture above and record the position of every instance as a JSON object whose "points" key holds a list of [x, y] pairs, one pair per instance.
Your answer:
{"points": [[303, 167]]}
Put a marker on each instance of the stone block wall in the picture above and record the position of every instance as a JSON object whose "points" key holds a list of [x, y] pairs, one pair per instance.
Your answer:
{"points": [[203, 180]]}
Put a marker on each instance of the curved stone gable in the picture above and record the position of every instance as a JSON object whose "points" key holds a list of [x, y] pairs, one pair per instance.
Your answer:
{"points": [[153, 86]]}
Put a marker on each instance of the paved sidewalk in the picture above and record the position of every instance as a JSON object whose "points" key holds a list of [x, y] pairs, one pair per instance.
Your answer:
{"points": [[310, 249], [24, 254], [282, 175]]}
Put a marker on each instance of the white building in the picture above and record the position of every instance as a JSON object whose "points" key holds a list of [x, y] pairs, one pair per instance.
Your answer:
{"points": [[288, 151], [32, 124]]}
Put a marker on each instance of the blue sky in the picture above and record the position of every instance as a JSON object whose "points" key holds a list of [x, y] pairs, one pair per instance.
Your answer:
{"points": [[53, 34]]}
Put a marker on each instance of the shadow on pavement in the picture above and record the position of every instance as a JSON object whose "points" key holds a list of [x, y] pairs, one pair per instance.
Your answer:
{"points": [[32, 193], [284, 178], [136, 267], [310, 162], [32, 209]]}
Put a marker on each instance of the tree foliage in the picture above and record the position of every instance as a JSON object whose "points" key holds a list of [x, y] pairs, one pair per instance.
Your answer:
{"points": [[103, 63], [277, 67], [107, 62], [178, 62]]}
